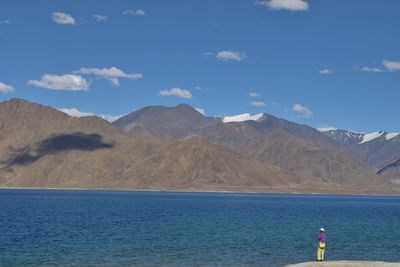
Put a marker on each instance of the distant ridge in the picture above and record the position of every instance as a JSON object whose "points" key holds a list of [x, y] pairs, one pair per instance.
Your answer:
{"points": [[377, 149], [182, 121], [45, 148], [298, 149]]}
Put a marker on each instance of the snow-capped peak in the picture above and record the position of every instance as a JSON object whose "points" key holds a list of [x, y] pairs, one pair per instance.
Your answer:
{"points": [[242, 117], [345, 136], [371, 136], [391, 135]]}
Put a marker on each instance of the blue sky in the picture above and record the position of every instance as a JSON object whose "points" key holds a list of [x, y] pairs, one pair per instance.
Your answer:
{"points": [[321, 63]]}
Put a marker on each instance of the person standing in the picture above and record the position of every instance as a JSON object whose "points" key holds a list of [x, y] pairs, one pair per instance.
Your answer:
{"points": [[321, 245]]}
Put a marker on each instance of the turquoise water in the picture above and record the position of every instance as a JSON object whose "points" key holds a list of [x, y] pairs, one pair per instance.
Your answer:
{"points": [[105, 228]]}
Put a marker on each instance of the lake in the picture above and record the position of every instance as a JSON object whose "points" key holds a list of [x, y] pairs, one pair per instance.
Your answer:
{"points": [[118, 228]]}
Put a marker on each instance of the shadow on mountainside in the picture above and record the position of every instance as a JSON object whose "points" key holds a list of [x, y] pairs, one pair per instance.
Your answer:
{"points": [[56, 144]]}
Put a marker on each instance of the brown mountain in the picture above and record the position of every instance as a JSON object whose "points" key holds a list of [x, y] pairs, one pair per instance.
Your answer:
{"points": [[42, 147], [379, 152], [177, 122], [391, 172], [299, 149]]}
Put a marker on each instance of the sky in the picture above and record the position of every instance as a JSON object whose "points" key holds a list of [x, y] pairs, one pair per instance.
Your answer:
{"points": [[324, 63]]}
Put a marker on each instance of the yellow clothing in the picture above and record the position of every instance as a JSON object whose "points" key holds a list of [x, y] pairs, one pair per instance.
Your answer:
{"points": [[321, 251]]}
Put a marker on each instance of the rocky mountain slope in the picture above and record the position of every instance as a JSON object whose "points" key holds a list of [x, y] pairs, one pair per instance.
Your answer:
{"points": [[183, 121], [42, 147], [379, 150], [298, 149]]}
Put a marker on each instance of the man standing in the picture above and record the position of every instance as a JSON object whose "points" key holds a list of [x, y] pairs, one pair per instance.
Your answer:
{"points": [[321, 245]]}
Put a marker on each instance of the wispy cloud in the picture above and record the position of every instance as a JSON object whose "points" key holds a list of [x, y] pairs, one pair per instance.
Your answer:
{"points": [[112, 74], [227, 56], [257, 104], [202, 111], [369, 69], [230, 56], [5, 88], [291, 5], [66, 82], [5, 21], [325, 128], [99, 18], [74, 112], [178, 92], [137, 12], [63, 18], [303, 111], [391, 65], [325, 71], [253, 94], [140, 12]]}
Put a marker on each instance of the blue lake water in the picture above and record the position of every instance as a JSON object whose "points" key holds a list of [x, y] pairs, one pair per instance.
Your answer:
{"points": [[108, 228]]}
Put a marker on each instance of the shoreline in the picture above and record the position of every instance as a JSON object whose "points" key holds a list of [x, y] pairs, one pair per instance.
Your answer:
{"points": [[345, 263], [198, 191]]}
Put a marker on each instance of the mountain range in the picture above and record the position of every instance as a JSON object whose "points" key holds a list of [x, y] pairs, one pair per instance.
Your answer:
{"points": [[300, 149], [43, 147], [177, 148], [380, 150]]}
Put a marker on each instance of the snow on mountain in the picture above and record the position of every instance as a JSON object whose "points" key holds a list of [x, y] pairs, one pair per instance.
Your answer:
{"points": [[371, 136], [391, 135], [242, 117], [345, 136]]}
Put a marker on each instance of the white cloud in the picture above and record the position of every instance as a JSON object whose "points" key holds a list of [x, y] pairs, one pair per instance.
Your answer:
{"points": [[303, 111], [112, 74], [388, 64], [253, 94], [242, 117], [138, 12], [325, 128], [5, 21], [202, 111], [292, 5], [230, 56], [67, 82], [325, 71], [198, 88], [257, 104], [179, 92], [391, 65], [99, 18], [63, 18], [74, 112], [369, 69], [5, 88]]}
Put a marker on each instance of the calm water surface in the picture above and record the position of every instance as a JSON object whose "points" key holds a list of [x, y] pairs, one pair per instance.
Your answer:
{"points": [[105, 228]]}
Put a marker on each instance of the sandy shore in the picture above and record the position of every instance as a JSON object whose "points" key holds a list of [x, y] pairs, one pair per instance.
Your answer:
{"points": [[345, 264], [226, 191]]}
